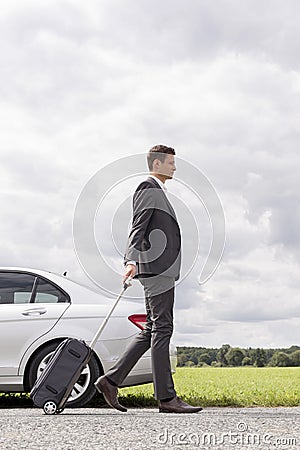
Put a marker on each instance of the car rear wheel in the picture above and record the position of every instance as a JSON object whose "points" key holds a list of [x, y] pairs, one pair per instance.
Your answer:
{"points": [[84, 389]]}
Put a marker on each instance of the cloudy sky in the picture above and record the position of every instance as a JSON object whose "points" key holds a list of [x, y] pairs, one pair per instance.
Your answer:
{"points": [[84, 84]]}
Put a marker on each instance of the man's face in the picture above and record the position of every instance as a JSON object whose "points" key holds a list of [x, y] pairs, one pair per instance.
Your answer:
{"points": [[167, 168]]}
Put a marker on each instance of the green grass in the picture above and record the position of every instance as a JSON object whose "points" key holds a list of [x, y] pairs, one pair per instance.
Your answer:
{"points": [[207, 386], [241, 386]]}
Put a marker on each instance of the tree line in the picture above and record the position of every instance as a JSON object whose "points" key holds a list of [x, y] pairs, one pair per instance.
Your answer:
{"points": [[227, 356]]}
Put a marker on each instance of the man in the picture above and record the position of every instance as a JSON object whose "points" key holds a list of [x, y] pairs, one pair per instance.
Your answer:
{"points": [[153, 255]]}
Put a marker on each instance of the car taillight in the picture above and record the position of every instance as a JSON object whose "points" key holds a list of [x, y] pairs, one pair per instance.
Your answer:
{"points": [[139, 320]]}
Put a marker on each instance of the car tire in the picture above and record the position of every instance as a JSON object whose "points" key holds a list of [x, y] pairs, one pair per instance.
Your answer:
{"points": [[79, 397]]}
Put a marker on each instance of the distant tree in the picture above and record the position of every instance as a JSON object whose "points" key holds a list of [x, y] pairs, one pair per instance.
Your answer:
{"points": [[204, 358], [280, 359], [194, 359], [269, 352], [190, 364], [216, 364], [221, 354], [295, 358], [293, 349], [235, 356], [259, 358], [181, 359], [247, 361]]}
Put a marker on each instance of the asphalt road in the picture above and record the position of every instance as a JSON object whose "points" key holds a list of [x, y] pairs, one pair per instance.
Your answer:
{"points": [[213, 428]]}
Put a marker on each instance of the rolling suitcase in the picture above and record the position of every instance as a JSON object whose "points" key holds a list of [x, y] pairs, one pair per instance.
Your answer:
{"points": [[54, 386]]}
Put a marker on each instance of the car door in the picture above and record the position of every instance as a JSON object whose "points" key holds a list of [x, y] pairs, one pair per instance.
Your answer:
{"points": [[30, 306]]}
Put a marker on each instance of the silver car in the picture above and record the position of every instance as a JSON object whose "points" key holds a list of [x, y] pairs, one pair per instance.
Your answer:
{"points": [[39, 309]]}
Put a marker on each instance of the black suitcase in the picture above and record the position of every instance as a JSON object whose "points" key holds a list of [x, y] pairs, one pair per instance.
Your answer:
{"points": [[54, 386]]}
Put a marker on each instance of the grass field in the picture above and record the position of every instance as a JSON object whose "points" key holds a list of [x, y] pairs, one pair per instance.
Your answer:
{"points": [[240, 386]]}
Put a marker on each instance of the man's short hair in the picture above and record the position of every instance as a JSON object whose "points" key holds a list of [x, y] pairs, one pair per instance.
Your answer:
{"points": [[158, 152]]}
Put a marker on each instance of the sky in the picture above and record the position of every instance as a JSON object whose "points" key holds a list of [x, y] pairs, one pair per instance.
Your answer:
{"points": [[85, 84]]}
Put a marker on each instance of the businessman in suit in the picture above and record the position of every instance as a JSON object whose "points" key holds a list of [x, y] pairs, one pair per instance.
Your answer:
{"points": [[153, 255]]}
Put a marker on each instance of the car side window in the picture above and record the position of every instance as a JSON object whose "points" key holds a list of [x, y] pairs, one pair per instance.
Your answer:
{"points": [[48, 293], [15, 287]]}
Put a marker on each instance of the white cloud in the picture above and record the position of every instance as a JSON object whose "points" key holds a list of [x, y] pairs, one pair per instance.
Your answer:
{"points": [[83, 84]]}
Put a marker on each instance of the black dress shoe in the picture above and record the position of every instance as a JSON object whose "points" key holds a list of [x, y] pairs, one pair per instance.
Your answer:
{"points": [[109, 393], [177, 406]]}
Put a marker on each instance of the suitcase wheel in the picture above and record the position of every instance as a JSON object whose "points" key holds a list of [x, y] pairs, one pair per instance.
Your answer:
{"points": [[50, 407]]}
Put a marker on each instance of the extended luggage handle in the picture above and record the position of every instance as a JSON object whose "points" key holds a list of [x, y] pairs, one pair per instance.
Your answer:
{"points": [[126, 285]]}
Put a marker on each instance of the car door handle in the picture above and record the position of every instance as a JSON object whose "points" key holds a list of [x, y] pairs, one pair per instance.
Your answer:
{"points": [[34, 312]]}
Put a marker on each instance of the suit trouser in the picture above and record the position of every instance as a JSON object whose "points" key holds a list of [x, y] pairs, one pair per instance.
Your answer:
{"points": [[159, 299]]}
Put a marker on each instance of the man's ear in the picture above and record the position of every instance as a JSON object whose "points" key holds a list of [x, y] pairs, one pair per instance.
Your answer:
{"points": [[156, 163]]}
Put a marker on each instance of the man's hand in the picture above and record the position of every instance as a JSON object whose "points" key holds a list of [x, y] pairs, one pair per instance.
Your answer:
{"points": [[130, 272]]}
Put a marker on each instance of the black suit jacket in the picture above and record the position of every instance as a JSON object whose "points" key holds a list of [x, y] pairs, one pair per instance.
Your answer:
{"points": [[154, 241]]}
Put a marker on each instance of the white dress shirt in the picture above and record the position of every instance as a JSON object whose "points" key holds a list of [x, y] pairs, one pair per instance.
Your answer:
{"points": [[161, 184]]}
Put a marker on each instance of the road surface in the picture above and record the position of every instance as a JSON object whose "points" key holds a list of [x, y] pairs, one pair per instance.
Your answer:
{"points": [[104, 428]]}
